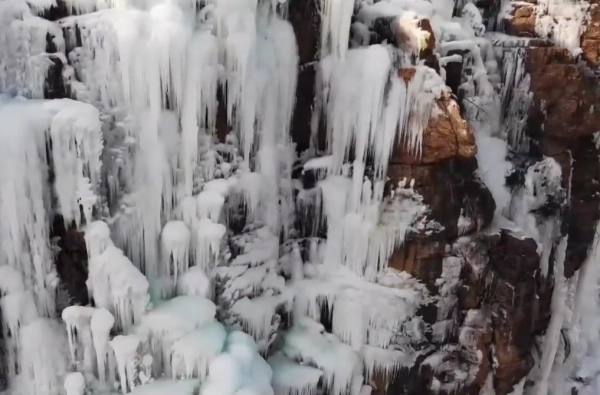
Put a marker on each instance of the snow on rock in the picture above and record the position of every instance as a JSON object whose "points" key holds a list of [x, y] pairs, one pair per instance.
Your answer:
{"points": [[97, 238], [170, 321], [74, 383], [175, 244], [292, 378], [25, 196], [191, 354], [194, 282], [116, 285], [210, 203], [238, 370], [562, 21], [23, 47], [207, 247], [75, 133], [308, 342]]}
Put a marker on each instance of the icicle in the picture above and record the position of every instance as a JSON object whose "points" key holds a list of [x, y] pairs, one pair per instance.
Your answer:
{"points": [[192, 354], [175, 242], [552, 337], [101, 324], [75, 134], [210, 204], [116, 285], [77, 319], [336, 18], [42, 359], [23, 49], [24, 198], [125, 348], [187, 211], [208, 243], [171, 321], [516, 97], [199, 107]]}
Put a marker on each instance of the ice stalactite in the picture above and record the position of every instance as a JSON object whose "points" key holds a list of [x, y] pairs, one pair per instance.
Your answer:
{"points": [[553, 333], [381, 104], [292, 378], [88, 331], [191, 354], [335, 32], [114, 282], [563, 22], [42, 359], [18, 311], [542, 187], [78, 321], [516, 97], [75, 134], [23, 48], [209, 236], [340, 364], [125, 348], [172, 320], [175, 245], [26, 196], [101, 324], [199, 109]]}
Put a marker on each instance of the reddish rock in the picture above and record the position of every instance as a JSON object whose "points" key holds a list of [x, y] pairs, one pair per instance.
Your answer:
{"points": [[563, 119], [514, 263], [447, 136], [590, 39], [565, 102], [522, 20]]}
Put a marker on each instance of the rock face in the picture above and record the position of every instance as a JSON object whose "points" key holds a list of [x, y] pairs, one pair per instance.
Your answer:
{"points": [[447, 136], [502, 300]]}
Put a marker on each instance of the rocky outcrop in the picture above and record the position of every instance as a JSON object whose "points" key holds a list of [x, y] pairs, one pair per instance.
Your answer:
{"points": [[71, 261], [502, 300], [590, 39], [565, 103], [521, 20], [562, 122], [447, 136], [306, 21]]}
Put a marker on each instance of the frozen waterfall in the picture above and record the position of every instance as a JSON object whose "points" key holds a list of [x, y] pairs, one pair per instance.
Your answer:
{"points": [[220, 260]]}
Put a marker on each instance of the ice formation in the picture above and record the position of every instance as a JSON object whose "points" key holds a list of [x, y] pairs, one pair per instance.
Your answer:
{"points": [[174, 157]]}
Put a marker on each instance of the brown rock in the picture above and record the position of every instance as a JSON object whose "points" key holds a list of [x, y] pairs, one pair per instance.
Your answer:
{"points": [[565, 104], [563, 119], [71, 261], [585, 203], [447, 136], [522, 20], [590, 39], [514, 263]]}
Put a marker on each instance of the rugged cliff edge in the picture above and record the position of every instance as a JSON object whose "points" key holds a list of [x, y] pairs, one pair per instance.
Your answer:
{"points": [[505, 185]]}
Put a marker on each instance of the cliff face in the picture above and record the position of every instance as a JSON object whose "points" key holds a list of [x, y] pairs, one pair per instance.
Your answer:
{"points": [[504, 294], [492, 290]]}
